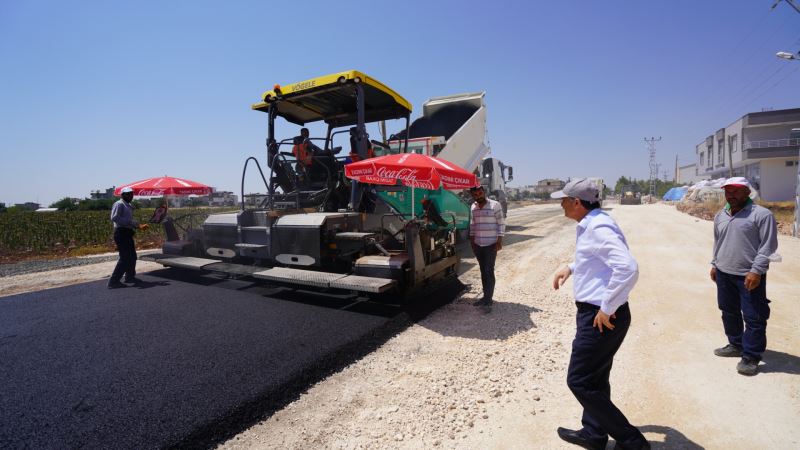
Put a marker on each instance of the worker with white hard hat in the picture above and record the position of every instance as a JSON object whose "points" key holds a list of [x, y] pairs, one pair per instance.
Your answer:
{"points": [[125, 227]]}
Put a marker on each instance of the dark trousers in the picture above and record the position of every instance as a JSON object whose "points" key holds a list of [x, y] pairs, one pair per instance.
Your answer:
{"points": [[737, 303], [588, 374], [126, 265], [486, 257]]}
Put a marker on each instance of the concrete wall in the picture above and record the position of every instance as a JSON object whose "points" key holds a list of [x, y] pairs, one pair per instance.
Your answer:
{"points": [[689, 174], [778, 180], [735, 130]]}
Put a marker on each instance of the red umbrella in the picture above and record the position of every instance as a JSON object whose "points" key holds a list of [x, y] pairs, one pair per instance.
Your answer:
{"points": [[153, 187], [412, 169]]}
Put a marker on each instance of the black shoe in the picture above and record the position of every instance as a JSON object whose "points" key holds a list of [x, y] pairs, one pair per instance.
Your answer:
{"points": [[115, 285], [481, 302], [729, 351], [578, 438], [486, 308], [747, 366], [133, 280]]}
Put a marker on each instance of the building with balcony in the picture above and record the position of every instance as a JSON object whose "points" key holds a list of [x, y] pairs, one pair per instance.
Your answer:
{"points": [[759, 146]]}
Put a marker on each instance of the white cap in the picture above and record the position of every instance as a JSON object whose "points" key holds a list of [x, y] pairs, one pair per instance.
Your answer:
{"points": [[126, 190], [738, 181], [580, 188]]}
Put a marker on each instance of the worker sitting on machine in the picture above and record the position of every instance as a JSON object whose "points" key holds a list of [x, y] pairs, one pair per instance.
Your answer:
{"points": [[303, 149], [307, 155]]}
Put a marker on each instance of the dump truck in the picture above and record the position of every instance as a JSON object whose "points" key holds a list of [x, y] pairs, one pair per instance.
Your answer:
{"points": [[312, 229], [452, 128]]}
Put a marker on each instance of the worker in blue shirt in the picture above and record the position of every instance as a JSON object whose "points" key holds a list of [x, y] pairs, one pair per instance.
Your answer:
{"points": [[604, 274], [124, 228]]}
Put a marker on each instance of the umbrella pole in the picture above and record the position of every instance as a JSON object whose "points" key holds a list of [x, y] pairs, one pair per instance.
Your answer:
{"points": [[413, 206]]}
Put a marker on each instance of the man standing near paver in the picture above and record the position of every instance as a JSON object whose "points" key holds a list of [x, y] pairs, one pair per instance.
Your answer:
{"points": [[745, 236], [124, 228], [605, 273], [487, 226]]}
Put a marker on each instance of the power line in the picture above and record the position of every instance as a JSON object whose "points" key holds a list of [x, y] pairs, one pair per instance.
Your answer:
{"points": [[738, 100], [788, 75]]}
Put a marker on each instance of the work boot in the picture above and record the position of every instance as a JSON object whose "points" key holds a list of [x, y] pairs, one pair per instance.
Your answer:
{"points": [[113, 284], [729, 351], [747, 366], [481, 302]]}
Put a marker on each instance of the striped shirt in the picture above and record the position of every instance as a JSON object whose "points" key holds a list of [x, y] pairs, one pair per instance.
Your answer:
{"points": [[487, 223]]}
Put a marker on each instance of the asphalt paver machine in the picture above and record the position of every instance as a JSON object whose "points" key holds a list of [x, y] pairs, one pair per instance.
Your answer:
{"points": [[312, 229]]}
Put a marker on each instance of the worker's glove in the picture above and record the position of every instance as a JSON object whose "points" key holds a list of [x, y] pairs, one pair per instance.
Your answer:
{"points": [[144, 226]]}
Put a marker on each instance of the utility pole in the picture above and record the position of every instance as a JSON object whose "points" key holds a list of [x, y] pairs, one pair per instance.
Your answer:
{"points": [[651, 147], [675, 175]]}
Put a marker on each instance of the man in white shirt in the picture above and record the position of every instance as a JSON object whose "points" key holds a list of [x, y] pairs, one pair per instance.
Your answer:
{"points": [[605, 273]]}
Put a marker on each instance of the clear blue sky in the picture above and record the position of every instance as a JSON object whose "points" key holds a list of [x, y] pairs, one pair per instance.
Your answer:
{"points": [[99, 93]]}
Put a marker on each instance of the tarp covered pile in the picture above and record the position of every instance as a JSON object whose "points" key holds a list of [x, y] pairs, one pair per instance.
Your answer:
{"points": [[675, 194]]}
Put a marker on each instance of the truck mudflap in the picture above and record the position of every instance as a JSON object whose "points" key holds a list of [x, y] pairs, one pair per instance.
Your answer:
{"points": [[282, 275]]}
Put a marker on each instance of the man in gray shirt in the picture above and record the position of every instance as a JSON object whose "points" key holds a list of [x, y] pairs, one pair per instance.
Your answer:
{"points": [[124, 228], [745, 236]]}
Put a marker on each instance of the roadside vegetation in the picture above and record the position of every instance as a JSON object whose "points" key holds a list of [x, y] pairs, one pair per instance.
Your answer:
{"points": [[33, 235]]}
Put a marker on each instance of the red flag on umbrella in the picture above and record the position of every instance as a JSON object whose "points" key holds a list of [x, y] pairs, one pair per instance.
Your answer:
{"points": [[412, 169], [153, 187]]}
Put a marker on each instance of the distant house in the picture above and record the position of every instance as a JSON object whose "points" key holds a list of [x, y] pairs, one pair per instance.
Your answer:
{"points": [[100, 195], [30, 206], [758, 146], [548, 186], [222, 198]]}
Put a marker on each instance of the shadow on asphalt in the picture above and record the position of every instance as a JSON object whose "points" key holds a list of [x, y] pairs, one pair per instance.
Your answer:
{"points": [[780, 362]]}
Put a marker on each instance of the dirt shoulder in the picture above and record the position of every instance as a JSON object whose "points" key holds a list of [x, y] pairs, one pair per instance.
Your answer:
{"points": [[460, 379], [37, 281]]}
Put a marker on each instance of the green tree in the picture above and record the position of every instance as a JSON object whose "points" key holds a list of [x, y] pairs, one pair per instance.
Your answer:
{"points": [[96, 204], [65, 204]]}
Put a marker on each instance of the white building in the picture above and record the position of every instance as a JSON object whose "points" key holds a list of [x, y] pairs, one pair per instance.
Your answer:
{"points": [[757, 146], [689, 175]]}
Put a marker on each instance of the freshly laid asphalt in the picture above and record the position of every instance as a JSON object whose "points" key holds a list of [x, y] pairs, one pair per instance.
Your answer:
{"points": [[165, 364]]}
